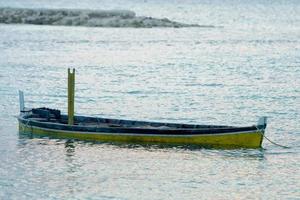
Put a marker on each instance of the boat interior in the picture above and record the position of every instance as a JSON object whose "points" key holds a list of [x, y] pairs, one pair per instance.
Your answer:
{"points": [[54, 116]]}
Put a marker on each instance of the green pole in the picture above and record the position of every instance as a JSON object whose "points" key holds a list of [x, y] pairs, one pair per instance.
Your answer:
{"points": [[71, 91]]}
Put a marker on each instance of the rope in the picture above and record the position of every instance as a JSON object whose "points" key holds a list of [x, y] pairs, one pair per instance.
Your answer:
{"points": [[98, 121], [262, 133], [30, 127]]}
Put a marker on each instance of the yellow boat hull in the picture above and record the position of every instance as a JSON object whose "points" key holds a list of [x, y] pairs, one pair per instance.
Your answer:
{"points": [[249, 139]]}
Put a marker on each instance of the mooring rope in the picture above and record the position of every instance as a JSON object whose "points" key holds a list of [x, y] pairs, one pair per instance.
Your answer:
{"points": [[26, 125], [263, 134]]}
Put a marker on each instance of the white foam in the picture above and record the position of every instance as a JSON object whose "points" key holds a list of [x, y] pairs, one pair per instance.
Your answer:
{"points": [[75, 17]]}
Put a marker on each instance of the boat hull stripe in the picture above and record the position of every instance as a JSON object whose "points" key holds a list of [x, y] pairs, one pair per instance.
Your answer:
{"points": [[247, 139]]}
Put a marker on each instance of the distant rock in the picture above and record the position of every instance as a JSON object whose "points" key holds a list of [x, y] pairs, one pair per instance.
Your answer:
{"points": [[91, 18]]}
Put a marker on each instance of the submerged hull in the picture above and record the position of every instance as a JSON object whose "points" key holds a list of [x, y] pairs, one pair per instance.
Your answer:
{"points": [[145, 132]]}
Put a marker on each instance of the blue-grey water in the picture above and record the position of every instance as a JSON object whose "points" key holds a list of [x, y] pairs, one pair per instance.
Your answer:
{"points": [[246, 67]]}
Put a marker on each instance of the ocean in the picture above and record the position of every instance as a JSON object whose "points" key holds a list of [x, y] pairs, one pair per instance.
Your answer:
{"points": [[242, 64]]}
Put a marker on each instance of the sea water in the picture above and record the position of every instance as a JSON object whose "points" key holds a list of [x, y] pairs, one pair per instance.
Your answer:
{"points": [[246, 67]]}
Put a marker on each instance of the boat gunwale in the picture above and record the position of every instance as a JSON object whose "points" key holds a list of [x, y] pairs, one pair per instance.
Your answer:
{"points": [[209, 130], [144, 134]]}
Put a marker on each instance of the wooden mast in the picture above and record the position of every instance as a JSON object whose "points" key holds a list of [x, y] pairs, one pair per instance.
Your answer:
{"points": [[71, 91]]}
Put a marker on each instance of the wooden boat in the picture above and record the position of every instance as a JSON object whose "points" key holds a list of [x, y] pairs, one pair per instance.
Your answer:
{"points": [[50, 122]]}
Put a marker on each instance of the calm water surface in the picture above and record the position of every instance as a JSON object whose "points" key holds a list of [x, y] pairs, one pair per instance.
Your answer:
{"points": [[249, 66]]}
